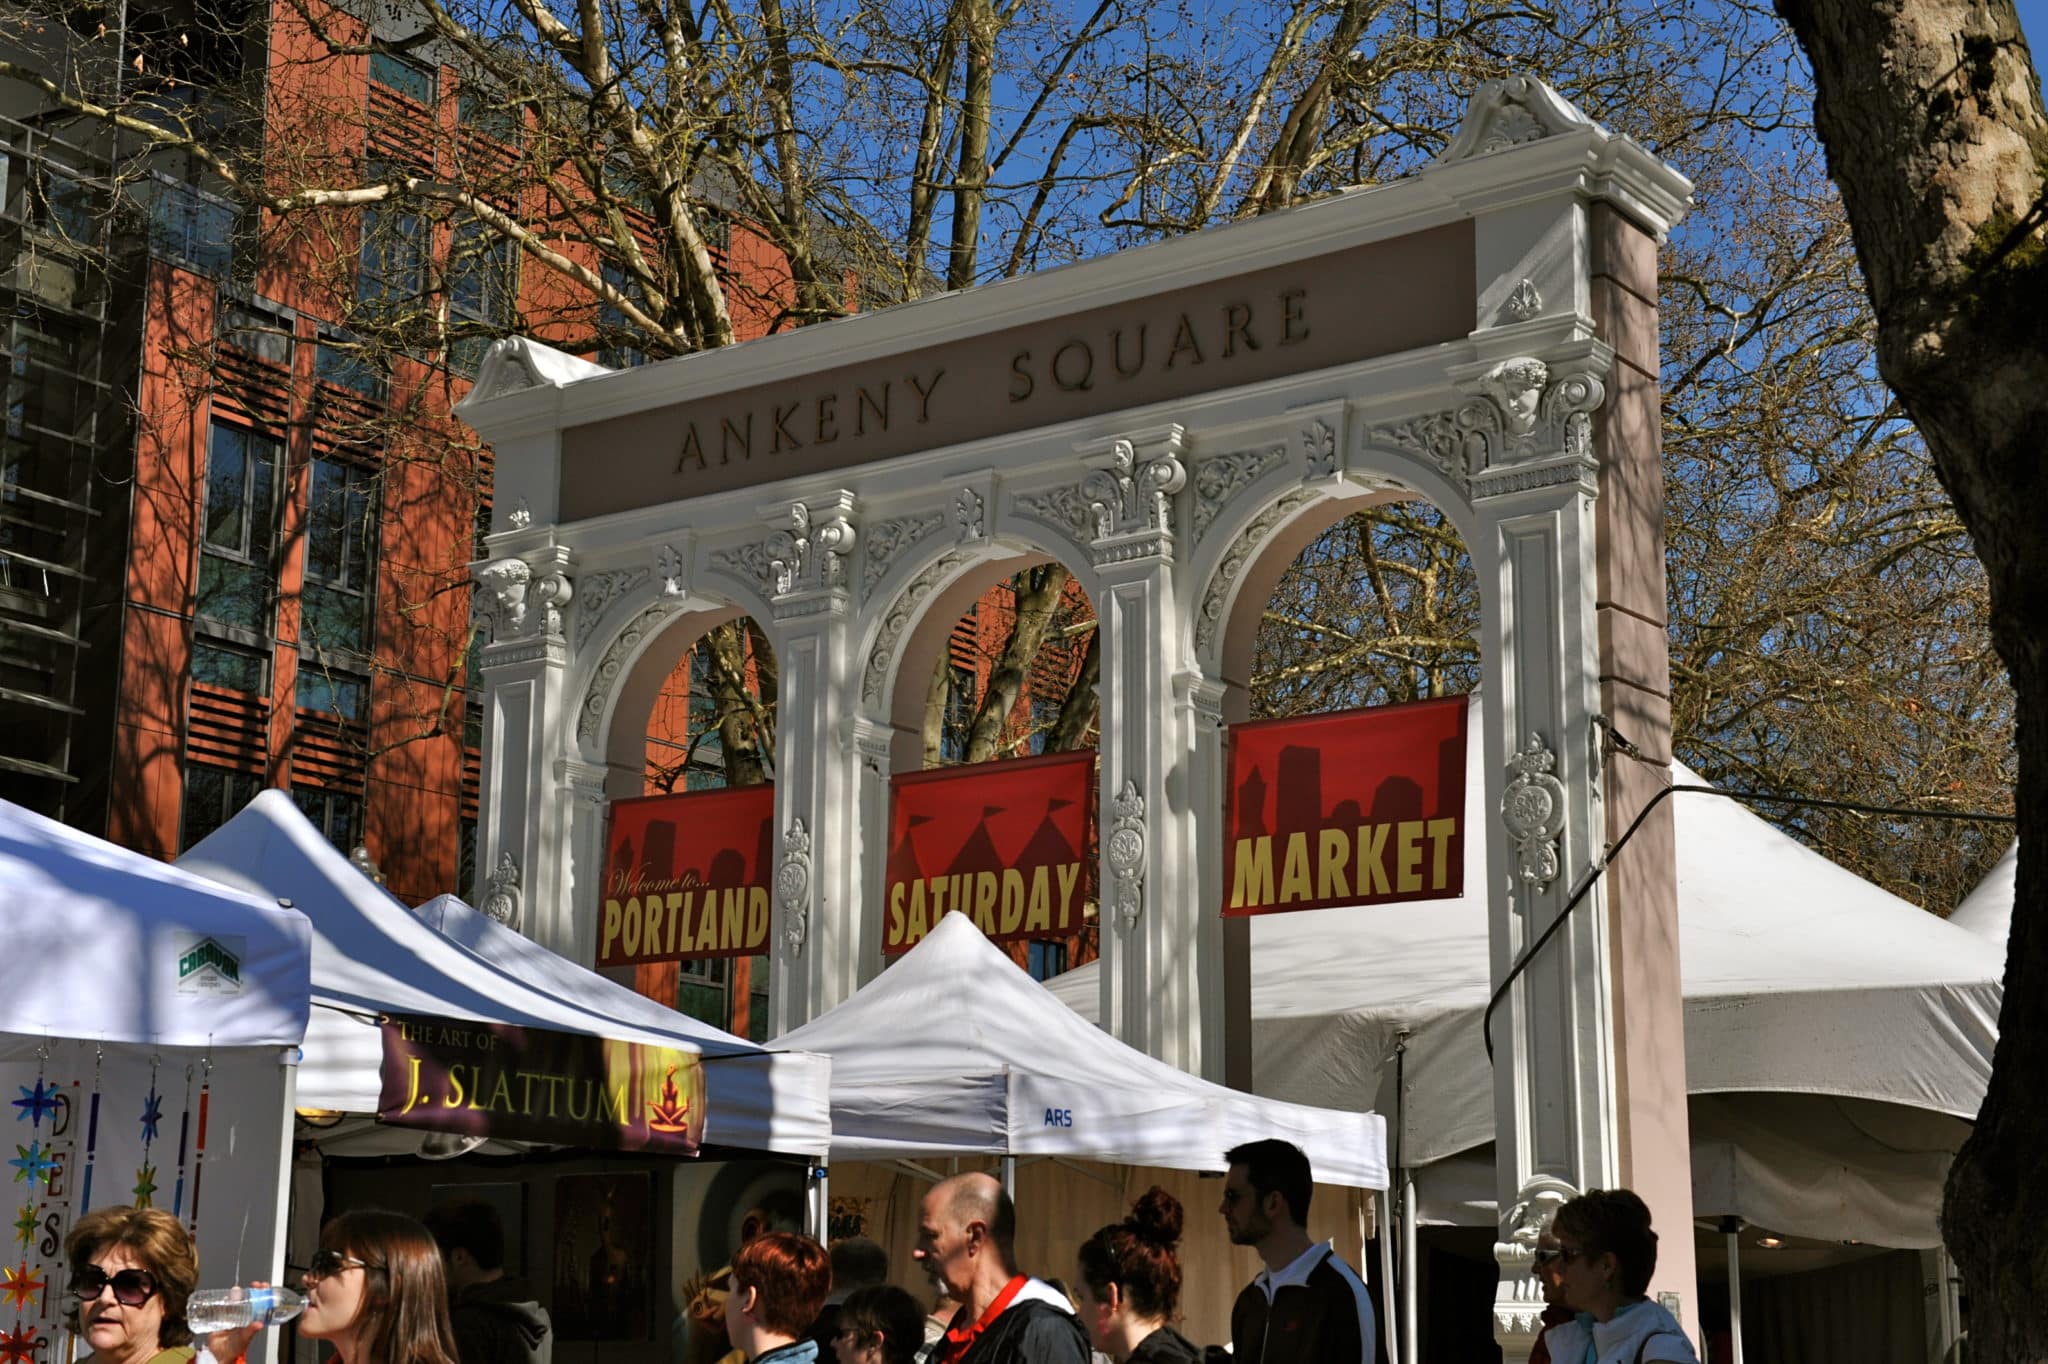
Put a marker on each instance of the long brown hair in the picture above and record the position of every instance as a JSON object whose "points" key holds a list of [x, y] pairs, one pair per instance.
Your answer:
{"points": [[404, 1316], [1136, 1254]]}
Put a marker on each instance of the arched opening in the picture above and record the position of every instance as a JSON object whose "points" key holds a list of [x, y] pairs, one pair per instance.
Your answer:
{"points": [[704, 721], [1009, 661], [1379, 607]]}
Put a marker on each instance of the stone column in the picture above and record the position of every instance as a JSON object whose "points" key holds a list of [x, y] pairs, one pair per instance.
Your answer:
{"points": [[817, 929], [525, 830], [1526, 434], [1149, 897], [1635, 696]]}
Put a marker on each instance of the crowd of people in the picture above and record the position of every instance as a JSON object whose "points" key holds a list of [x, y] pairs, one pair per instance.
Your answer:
{"points": [[386, 1289]]}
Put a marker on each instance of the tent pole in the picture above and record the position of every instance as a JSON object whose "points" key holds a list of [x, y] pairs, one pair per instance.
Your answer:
{"points": [[1408, 1323], [1010, 1176], [1389, 1305], [266, 1344], [821, 1200], [1731, 1227]]}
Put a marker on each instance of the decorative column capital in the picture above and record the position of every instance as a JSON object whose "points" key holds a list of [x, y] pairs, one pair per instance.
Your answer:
{"points": [[804, 566], [521, 603], [1129, 494]]}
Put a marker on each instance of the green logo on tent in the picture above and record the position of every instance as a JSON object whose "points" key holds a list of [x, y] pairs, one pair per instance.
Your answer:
{"points": [[208, 953]]}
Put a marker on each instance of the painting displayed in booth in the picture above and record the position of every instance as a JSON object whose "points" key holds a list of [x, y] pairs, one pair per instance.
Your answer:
{"points": [[604, 1256]]}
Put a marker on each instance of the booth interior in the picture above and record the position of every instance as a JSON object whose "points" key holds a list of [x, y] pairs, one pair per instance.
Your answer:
{"points": [[149, 1021], [1838, 1044], [953, 1057], [603, 1237]]}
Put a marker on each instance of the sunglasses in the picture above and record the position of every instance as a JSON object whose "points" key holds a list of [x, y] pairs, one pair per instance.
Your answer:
{"points": [[132, 1287], [325, 1264], [1560, 1255]]}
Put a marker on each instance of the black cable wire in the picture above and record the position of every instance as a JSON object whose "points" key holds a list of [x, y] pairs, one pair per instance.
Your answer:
{"points": [[1599, 868]]}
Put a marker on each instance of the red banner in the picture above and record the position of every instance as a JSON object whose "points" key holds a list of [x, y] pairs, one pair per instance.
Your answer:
{"points": [[1003, 842], [687, 876], [1360, 808], [533, 1084]]}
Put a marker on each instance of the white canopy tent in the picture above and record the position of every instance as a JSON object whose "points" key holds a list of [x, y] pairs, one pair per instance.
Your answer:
{"points": [[371, 955], [954, 1050], [1987, 910], [150, 1020], [761, 1099], [1845, 1031]]}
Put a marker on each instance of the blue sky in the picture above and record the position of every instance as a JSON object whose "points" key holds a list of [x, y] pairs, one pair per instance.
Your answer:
{"points": [[2034, 23]]}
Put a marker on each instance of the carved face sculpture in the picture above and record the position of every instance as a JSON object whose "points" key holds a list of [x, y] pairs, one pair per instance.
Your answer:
{"points": [[1517, 386]]}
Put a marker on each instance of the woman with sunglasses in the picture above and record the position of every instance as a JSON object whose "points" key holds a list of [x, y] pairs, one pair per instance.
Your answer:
{"points": [[375, 1291], [1602, 1252], [131, 1271]]}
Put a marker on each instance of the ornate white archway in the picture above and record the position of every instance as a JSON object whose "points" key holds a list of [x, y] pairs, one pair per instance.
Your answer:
{"points": [[1168, 424]]}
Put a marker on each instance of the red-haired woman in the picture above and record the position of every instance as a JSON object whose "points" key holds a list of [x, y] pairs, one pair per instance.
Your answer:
{"points": [[1127, 1285], [376, 1292], [779, 1281]]}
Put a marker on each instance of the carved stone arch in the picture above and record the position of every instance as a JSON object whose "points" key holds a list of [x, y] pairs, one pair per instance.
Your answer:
{"points": [[1055, 522], [626, 677], [743, 572]]}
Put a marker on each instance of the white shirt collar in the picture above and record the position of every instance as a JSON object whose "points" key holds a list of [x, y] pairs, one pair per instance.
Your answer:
{"points": [[1296, 1271]]}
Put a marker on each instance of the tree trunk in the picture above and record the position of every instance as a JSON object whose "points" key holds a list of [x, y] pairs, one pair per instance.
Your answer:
{"points": [[1932, 116], [1083, 702], [740, 717], [1038, 601], [979, 24]]}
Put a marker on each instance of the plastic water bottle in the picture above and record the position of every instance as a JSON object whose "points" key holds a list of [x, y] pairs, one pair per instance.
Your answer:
{"points": [[227, 1309]]}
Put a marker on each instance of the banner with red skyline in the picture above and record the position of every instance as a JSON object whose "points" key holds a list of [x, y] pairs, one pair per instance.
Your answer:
{"points": [[687, 876], [1358, 808], [536, 1084], [1005, 843]]}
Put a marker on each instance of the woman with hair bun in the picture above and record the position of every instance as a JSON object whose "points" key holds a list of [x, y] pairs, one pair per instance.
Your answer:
{"points": [[1127, 1285]]}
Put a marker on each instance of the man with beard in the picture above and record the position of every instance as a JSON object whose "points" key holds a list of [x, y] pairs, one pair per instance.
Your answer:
{"points": [[1306, 1306], [965, 1231]]}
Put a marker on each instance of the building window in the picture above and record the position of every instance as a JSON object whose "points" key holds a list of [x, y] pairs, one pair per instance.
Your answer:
{"points": [[392, 268], [341, 557], [344, 364], [235, 669], [1044, 960], [476, 110], [465, 857], [336, 814], [702, 989], [213, 796], [613, 328], [757, 1001], [959, 716], [482, 283], [188, 226], [412, 79], [235, 578], [333, 692]]}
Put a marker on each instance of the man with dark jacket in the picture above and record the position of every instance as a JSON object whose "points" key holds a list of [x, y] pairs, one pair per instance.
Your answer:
{"points": [[1306, 1306], [965, 1234], [496, 1318]]}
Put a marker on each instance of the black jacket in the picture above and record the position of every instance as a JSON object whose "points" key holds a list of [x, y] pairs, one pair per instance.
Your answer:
{"points": [[500, 1323], [1165, 1346], [1319, 1314], [1029, 1332]]}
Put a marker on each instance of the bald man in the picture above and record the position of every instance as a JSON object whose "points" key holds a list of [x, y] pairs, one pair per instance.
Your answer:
{"points": [[966, 1228]]}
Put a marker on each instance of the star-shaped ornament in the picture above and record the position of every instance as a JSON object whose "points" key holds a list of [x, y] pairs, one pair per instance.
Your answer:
{"points": [[25, 1226], [152, 1114], [34, 1103], [31, 1163], [19, 1346], [145, 1185], [20, 1285]]}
